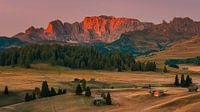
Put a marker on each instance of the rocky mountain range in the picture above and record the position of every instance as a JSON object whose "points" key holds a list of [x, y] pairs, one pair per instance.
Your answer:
{"points": [[109, 33], [97, 28], [156, 37]]}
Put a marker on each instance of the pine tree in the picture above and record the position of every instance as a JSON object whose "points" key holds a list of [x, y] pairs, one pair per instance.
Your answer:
{"points": [[88, 92], [165, 69], [6, 91], [78, 90], [45, 89], [176, 82], [182, 81], [33, 96], [60, 91], [108, 99], [188, 81], [64, 91], [52, 92]]}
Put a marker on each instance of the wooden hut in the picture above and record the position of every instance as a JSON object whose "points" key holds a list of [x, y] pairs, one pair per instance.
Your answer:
{"points": [[157, 93], [99, 100]]}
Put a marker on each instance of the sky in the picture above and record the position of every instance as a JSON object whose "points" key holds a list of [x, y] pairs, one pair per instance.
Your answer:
{"points": [[18, 15]]}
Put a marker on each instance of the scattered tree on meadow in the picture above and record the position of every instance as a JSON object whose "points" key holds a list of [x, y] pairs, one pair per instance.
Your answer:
{"points": [[182, 81], [6, 91], [79, 90], [188, 81], [60, 91], [52, 92], [45, 89], [64, 91], [33, 96], [27, 97], [176, 82], [88, 92], [108, 99]]}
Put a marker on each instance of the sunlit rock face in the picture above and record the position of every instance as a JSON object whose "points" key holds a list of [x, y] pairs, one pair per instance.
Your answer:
{"points": [[109, 28], [97, 28]]}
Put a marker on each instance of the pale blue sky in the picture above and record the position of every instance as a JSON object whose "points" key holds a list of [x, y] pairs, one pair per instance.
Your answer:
{"points": [[18, 15]]}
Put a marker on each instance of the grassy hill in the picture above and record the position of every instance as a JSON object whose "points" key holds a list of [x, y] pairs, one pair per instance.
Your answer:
{"points": [[182, 49]]}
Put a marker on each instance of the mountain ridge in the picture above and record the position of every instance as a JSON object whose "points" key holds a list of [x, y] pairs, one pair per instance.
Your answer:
{"points": [[96, 28], [108, 33]]}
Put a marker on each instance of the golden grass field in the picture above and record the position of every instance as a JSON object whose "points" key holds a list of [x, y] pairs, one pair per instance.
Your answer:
{"points": [[20, 80]]}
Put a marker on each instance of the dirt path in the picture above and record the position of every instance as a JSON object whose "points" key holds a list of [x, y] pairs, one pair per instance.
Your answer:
{"points": [[170, 100]]}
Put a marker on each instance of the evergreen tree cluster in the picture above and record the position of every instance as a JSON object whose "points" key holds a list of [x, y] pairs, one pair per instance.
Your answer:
{"points": [[144, 66], [45, 92], [79, 89], [72, 56], [184, 82], [29, 97]]}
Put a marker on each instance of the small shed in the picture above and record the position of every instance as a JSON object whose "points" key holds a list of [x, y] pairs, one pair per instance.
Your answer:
{"points": [[157, 93], [99, 101], [193, 88]]}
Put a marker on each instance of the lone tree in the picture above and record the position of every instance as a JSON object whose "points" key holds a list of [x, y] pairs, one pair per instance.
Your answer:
{"points": [[45, 89], [176, 82], [165, 69], [108, 99], [88, 92], [182, 81], [79, 90], [6, 91]]}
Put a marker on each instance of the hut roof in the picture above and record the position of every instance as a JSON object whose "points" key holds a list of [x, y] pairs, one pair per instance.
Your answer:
{"points": [[98, 97]]}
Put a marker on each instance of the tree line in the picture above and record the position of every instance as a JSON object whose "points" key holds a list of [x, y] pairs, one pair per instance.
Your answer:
{"points": [[72, 56], [44, 92], [195, 61], [183, 82]]}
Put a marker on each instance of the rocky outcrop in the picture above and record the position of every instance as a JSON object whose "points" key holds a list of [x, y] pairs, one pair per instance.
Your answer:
{"points": [[177, 27], [97, 28]]}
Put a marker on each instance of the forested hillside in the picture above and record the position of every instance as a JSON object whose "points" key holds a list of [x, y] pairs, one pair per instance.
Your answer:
{"points": [[195, 61], [72, 56]]}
